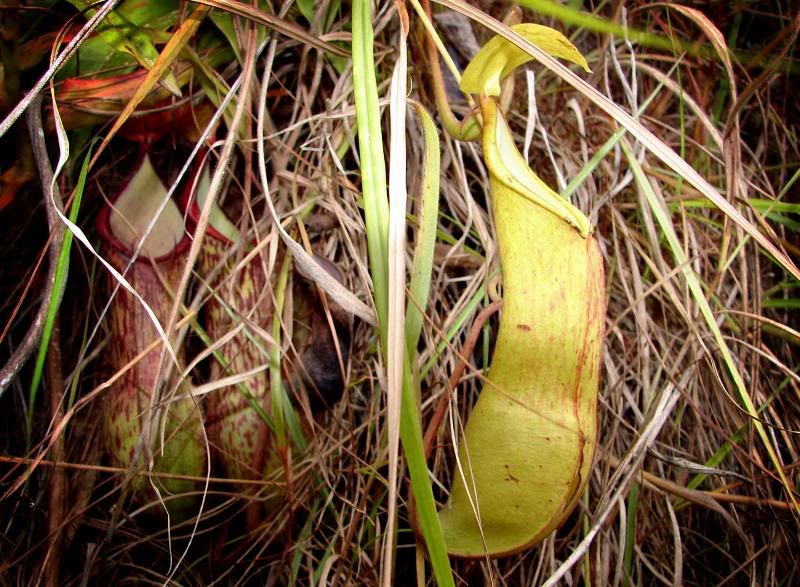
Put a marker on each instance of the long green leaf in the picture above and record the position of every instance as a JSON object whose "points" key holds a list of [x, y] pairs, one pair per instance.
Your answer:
{"points": [[411, 435], [421, 269], [373, 171], [62, 272]]}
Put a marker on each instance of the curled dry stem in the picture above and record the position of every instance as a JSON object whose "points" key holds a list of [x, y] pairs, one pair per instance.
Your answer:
{"points": [[455, 376]]}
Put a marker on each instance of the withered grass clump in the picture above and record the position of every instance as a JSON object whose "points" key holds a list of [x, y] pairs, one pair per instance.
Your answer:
{"points": [[683, 490]]}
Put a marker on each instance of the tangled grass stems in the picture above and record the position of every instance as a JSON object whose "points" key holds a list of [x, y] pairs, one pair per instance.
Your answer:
{"points": [[710, 508]]}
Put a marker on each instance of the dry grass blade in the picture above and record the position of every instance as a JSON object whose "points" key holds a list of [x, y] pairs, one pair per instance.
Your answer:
{"points": [[305, 263], [699, 377], [396, 317], [274, 22], [694, 285]]}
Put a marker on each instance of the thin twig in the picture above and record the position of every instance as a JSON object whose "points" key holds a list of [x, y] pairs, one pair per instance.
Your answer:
{"points": [[463, 360], [57, 500], [441, 407]]}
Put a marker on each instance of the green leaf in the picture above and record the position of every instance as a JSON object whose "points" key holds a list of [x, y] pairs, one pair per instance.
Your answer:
{"points": [[224, 22], [307, 9], [421, 269], [144, 13], [125, 36], [62, 272], [499, 58]]}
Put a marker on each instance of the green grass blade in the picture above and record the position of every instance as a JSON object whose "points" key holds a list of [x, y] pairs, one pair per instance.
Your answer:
{"points": [[421, 269], [723, 451], [587, 21], [630, 532], [62, 272], [789, 184], [587, 170], [373, 171], [427, 516], [457, 326], [276, 390]]}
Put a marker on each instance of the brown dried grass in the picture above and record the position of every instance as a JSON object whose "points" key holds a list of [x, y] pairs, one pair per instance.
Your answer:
{"points": [[667, 405]]}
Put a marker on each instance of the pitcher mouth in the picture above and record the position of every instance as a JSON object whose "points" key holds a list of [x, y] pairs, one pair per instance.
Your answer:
{"points": [[121, 222]]}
